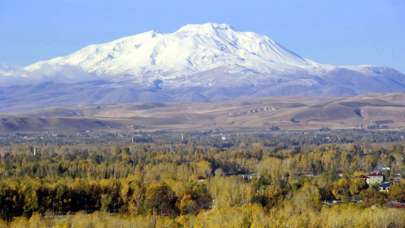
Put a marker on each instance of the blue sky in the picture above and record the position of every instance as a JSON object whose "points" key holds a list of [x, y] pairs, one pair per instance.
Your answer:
{"points": [[335, 31]]}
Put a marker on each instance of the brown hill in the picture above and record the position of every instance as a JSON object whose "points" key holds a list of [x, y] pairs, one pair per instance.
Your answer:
{"points": [[372, 111]]}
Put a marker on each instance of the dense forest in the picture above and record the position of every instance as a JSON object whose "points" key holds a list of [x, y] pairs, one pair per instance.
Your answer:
{"points": [[194, 185]]}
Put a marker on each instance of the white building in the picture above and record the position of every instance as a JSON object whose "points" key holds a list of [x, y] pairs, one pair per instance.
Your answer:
{"points": [[374, 179]]}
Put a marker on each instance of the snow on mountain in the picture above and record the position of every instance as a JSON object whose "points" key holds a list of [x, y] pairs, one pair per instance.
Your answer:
{"points": [[8, 71], [191, 49], [10, 75], [203, 62]]}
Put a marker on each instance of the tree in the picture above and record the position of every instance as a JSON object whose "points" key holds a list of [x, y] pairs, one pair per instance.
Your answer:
{"points": [[372, 196], [340, 189], [203, 168], [195, 199], [161, 199], [357, 185], [397, 192]]}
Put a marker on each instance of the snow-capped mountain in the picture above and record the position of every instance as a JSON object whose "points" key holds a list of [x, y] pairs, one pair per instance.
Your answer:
{"points": [[197, 62], [8, 71], [174, 57]]}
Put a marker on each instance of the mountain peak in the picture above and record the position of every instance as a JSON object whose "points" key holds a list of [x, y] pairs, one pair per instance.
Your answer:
{"points": [[206, 27], [196, 55], [199, 61], [192, 49]]}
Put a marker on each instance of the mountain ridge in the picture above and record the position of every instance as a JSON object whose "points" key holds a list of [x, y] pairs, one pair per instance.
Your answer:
{"points": [[200, 62], [191, 49]]}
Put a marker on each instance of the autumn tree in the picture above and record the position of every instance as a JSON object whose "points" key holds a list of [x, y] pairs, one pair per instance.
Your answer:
{"points": [[161, 200]]}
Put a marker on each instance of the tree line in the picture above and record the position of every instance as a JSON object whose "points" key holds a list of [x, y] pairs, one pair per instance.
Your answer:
{"points": [[166, 182]]}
